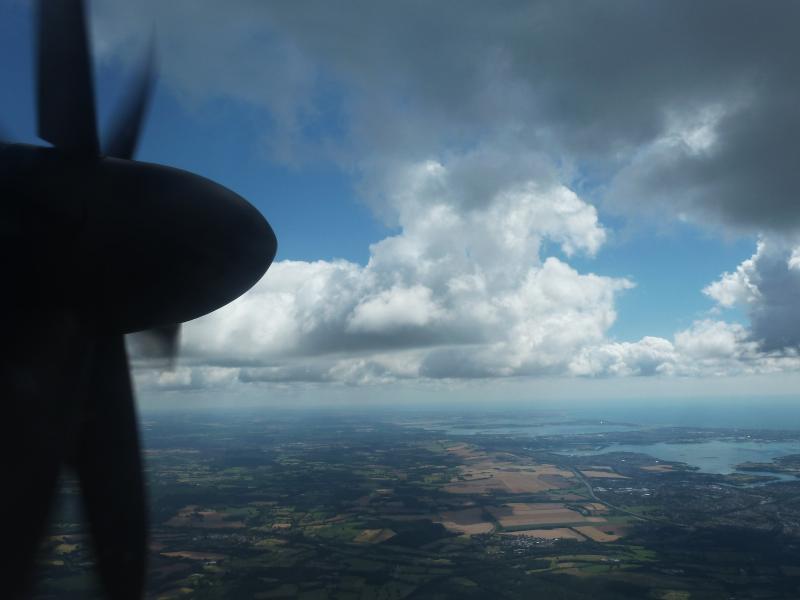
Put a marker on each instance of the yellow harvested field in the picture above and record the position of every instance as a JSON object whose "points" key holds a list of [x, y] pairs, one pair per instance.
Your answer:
{"points": [[470, 521], [517, 483], [597, 534], [487, 475], [658, 468], [595, 507], [374, 536], [483, 473], [515, 514], [557, 533], [603, 475]]}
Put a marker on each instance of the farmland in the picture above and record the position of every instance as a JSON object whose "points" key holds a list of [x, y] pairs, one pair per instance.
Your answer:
{"points": [[278, 506], [515, 514]]}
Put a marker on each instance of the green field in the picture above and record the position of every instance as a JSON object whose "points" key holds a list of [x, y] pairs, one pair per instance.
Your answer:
{"points": [[283, 507]]}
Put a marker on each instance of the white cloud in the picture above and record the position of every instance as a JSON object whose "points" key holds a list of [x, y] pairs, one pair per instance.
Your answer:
{"points": [[185, 377], [394, 309], [794, 259], [737, 287], [338, 322], [461, 291], [648, 356], [708, 348], [767, 285], [709, 339], [463, 128]]}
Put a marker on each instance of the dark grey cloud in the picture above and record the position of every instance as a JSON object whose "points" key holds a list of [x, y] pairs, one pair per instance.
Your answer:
{"points": [[604, 86], [767, 287], [747, 179], [774, 315], [594, 83]]}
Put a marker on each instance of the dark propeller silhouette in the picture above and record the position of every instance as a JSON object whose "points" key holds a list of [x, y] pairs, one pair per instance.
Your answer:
{"points": [[94, 245]]}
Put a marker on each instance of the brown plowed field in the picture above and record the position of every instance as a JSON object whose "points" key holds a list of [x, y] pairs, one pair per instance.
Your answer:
{"points": [[470, 521], [515, 514]]}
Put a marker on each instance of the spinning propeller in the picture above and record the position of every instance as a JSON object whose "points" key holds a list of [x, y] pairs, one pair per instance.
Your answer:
{"points": [[95, 245]]}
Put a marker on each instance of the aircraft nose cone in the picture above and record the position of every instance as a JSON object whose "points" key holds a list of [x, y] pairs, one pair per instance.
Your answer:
{"points": [[172, 246], [225, 233], [234, 242], [226, 246]]}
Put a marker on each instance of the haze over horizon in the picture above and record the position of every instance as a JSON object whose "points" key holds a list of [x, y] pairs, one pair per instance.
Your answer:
{"points": [[556, 200]]}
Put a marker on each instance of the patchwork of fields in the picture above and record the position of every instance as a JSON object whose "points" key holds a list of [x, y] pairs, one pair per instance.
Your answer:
{"points": [[517, 514], [484, 474], [333, 509]]}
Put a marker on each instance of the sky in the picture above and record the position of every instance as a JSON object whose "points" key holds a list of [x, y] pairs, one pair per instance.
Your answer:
{"points": [[476, 200]]}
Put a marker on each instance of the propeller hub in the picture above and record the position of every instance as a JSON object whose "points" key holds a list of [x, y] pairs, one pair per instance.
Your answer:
{"points": [[166, 246], [130, 245]]}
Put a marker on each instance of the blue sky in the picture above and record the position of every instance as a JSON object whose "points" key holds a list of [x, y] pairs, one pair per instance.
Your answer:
{"points": [[344, 135], [220, 139]]}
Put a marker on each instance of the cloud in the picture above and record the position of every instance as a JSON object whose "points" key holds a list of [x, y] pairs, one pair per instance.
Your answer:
{"points": [[187, 378], [708, 348], [649, 356], [767, 285], [712, 340], [461, 291], [470, 129], [732, 168], [738, 287], [394, 310], [688, 108]]}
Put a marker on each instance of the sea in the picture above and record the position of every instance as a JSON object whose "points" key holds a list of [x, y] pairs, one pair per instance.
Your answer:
{"points": [[715, 456]]}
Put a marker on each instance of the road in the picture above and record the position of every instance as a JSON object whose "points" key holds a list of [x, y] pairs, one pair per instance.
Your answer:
{"points": [[594, 497]]}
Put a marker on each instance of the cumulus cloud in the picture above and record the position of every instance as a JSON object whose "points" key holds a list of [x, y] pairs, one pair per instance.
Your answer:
{"points": [[649, 356], [767, 285], [738, 287], [395, 309], [470, 129], [461, 291], [466, 291], [708, 348]]}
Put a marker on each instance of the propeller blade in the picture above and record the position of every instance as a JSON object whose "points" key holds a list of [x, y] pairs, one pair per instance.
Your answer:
{"points": [[31, 501], [159, 343], [109, 469], [38, 437], [127, 124], [42, 366], [65, 86]]}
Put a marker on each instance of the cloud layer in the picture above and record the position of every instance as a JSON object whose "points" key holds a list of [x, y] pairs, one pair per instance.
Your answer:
{"points": [[461, 291], [683, 107], [709, 348], [485, 136]]}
